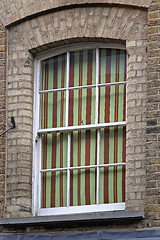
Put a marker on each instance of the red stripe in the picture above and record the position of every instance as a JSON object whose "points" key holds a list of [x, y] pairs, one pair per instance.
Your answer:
{"points": [[71, 172], [96, 168], [70, 120], [54, 137], [88, 132], [106, 130], [45, 136], [79, 123], [100, 59], [116, 128]]}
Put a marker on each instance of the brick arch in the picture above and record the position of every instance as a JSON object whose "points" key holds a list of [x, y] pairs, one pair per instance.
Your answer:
{"points": [[20, 10], [101, 23]]}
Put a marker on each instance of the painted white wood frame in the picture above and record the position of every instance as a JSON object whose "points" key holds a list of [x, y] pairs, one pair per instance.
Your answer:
{"points": [[38, 132]]}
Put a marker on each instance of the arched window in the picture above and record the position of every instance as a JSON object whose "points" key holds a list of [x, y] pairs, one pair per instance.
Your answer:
{"points": [[80, 107]]}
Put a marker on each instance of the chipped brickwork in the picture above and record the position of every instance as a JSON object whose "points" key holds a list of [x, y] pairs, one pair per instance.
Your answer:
{"points": [[153, 117], [2, 115]]}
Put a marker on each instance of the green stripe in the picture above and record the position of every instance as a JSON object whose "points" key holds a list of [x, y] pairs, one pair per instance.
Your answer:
{"points": [[122, 65], [92, 162], [42, 96], [102, 89], [57, 180], [75, 135], [49, 137], [111, 160], [83, 133], [119, 169], [103, 65], [82, 192], [94, 68], [120, 129], [75, 172], [93, 105], [65, 150], [101, 181]]}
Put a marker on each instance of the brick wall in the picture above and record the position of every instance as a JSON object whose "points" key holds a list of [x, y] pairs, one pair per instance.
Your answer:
{"points": [[153, 116], [2, 115], [91, 23], [125, 25]]}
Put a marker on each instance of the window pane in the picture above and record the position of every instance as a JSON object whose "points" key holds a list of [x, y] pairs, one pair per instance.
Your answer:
{"points": [[112, 65], [82, 68], [83, 148], [54, 150], [113, 145], [54, 189], [112, 150], [112, 185], [54, 73], [83, 153], [53, 109], [112, 104], [54, 155], [83, 187], [82, 106]]}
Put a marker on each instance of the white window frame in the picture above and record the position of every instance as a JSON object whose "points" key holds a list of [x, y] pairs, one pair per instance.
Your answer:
{"points": [[37, 143]]}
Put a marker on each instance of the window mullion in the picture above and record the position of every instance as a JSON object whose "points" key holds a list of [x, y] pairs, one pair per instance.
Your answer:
{"points": [[97, 81], [69, 135], [67, 85], [68, 170], [96, 122]]}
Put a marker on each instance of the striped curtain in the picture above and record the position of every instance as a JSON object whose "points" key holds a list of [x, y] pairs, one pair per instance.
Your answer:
{"points": [[84, 144]]}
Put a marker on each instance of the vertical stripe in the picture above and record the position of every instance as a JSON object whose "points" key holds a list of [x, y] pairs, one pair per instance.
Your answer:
{"points": [[93, 90], [83, 133], [75, 134], [49, 137], [61, 134], [79, 123], [54, 136], [88, 132], [120, 129], [107, 117], [111, 130], [112, 108], [65, 151], [116, 128], [42, 126], [93, 150], [45, 135]]}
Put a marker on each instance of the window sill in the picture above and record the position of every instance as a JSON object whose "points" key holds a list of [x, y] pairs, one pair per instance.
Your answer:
{"points": [[114, 216]]}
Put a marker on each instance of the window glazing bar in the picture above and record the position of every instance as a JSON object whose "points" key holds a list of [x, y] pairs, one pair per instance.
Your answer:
{"points": [[83, 87], [80, 127], [83, 167]]}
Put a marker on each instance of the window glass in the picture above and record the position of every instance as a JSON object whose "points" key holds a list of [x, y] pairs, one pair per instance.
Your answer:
{"points": [[83, 104]]}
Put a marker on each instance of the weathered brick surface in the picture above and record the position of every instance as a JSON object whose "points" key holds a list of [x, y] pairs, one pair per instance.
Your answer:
{"points": [[56, 29], [153, 117], [2, 116], [102, 23], [12, 11]]}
